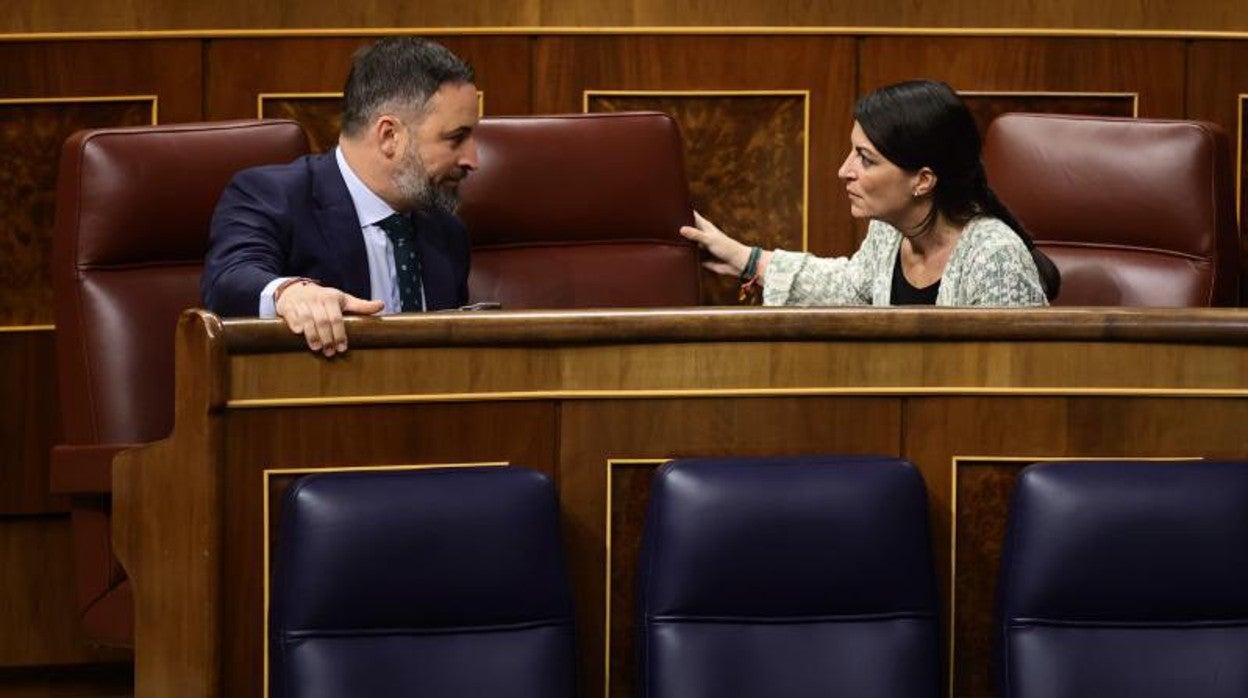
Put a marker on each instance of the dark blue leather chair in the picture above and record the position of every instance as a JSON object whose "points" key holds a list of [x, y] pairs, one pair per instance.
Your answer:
{"points": [[439, 582], [792, 577], [1126, 579]]}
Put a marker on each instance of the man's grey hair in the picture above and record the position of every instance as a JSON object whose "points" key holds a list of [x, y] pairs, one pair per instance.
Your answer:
{"points": [[397, 72]]}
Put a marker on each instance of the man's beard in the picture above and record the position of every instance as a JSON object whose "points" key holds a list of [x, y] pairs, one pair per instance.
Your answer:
{"points": [[419, 190]]}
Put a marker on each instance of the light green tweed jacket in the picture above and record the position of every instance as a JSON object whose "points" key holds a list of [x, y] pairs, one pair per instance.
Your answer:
{"points": [[989, 266]]}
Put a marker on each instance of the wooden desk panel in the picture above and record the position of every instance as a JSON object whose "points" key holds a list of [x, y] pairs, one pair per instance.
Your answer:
{"points": [[598, 399]]}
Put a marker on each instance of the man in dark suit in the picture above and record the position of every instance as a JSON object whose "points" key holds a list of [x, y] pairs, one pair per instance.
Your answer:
{"points": [[368, 227]]}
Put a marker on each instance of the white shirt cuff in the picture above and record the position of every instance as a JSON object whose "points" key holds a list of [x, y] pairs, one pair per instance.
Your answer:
{"points": [[268, 307]]}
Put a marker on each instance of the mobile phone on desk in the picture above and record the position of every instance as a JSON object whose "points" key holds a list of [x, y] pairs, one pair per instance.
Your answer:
{"points": [[481, 305]]}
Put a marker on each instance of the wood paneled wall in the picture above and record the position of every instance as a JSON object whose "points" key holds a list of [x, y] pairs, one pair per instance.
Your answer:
{"points": [[743, 155], [130, 15], [738, 96]]}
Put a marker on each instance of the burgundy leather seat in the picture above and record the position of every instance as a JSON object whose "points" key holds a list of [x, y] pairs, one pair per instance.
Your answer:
{"points": [[1134, 212], [133, 207], [580, 211]]}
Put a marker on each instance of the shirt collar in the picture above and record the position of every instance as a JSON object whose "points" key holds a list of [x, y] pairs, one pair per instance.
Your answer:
{"points": [[369, 207]]}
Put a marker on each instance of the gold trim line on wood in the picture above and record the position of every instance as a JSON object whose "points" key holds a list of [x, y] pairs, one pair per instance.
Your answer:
{"points": [[261, 96], [804, 94], [305, 471], [1239, 157], [26, 328], [900, 391], [1135, 96], [88, 99], [953, 518], [849, 31], [606, 625]]}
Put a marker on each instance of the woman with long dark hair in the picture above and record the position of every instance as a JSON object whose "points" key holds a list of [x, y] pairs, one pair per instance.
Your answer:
{"points": [[937, 235]]}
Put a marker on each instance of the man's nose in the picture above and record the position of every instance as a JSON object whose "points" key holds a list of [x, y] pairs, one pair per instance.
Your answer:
{"points": [[469, 160]]}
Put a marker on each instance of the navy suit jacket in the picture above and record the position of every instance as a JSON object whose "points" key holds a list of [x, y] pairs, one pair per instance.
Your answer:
{"points": [[298, 220]]}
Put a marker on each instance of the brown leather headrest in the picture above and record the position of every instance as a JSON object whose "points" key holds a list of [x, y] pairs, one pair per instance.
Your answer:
{"points": [[577, 178]]}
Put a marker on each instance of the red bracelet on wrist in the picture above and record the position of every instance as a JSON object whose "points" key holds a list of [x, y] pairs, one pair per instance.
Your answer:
{"points": [[277, 292]]}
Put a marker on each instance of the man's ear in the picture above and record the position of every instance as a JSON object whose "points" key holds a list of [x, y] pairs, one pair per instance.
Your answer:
{"points": [[388, 132], [924, 182]]}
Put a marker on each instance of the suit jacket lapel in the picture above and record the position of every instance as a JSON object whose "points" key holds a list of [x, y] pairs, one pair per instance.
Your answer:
{"points": [[339, 225]]}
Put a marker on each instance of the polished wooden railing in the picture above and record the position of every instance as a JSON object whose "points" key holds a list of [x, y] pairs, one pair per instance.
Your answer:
{"points": [[597, 399]]}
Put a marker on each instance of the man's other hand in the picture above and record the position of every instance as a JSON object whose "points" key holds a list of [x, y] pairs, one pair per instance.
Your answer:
{"points": [[316, 313]]}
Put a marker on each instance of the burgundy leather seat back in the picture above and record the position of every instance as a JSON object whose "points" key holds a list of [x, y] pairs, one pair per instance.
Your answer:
{"points": [[1134, 212], [580, 211], [133, 208]]}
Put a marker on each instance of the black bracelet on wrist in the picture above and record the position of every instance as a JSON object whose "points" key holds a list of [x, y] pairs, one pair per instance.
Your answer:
{"points": [[751, 265]]}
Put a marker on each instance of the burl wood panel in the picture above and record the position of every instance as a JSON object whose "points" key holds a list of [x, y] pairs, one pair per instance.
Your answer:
{"points": [[1151, 68], [983, 496], [746, 159], [31, 134], [239, 70], [987, 106], [320, 116], [345, 437], [595, 432], [565, 68], [1009, 431], [630, 495], [29, 422]]}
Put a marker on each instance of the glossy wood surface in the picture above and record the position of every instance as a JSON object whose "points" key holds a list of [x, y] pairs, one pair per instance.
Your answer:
{"points": [[29, 424], [1152, 68], [599, 398], [167, 523], [242, 69], [1217, 91], [81, 15], [39, 625], [204, 76]]}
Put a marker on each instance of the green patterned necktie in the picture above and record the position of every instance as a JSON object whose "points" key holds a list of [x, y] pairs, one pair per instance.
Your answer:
{"points": [[402, 234]]}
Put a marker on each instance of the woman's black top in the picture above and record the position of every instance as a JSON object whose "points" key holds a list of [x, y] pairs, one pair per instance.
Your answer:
{"points": [[906, 294]]}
